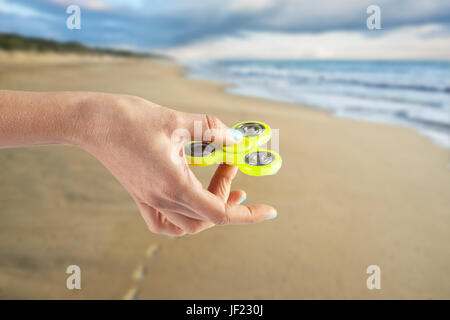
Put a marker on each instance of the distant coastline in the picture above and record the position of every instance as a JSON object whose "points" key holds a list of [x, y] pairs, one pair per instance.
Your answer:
{"points": [[16, 42]]}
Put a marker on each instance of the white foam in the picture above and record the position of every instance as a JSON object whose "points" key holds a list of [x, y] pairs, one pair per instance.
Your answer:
{"points": [[411, 94]]}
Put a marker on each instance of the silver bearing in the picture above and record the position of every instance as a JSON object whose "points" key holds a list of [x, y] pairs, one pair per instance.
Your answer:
{"points": [[199, 149], [259, 158], [251, 129]]}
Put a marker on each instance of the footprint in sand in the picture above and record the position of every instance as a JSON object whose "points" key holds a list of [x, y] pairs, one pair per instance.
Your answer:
{"points": [[132, 294], [140, 272], [152, 250]]}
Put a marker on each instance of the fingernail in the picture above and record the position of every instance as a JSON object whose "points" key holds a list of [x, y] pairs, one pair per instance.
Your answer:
{"points": [[237, 135], [242, 200], [270, 218]]}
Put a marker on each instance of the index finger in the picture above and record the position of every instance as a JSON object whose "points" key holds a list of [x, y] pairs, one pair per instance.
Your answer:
{"points": [[221, 181]]}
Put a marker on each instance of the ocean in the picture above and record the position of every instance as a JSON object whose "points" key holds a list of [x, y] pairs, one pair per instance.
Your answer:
{"points": [[415, 94]]}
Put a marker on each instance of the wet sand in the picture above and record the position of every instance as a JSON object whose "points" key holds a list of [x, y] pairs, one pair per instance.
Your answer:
{"points": [[350, 194]]}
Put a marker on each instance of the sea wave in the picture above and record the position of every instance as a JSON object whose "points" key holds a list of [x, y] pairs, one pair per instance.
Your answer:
{"points": [[414, 94]]}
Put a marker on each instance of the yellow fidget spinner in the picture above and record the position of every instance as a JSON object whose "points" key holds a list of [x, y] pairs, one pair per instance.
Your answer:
{"points": [[246, 155]]}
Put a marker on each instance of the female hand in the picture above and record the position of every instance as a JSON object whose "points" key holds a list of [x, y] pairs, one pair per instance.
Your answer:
{"points": [[138, 142]]}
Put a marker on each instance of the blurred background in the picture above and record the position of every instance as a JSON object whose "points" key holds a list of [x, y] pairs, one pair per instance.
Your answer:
{"points": [[360, 91]]}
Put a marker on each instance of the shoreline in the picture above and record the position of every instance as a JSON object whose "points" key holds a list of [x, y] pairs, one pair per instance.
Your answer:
{"points": [[355, 107], [350, 194], [70, 58]]}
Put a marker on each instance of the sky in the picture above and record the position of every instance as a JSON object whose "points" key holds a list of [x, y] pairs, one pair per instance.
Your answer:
{"points": [[228, 29]]}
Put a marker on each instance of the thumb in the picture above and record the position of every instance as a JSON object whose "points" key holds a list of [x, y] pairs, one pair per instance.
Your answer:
{"points": [[203, 127]]}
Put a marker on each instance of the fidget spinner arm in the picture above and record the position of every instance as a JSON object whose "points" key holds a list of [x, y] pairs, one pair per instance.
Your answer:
{"points": [[246, 154]]}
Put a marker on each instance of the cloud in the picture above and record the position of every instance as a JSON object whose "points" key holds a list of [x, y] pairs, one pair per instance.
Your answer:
{"points": [[170, 24], [410, 42]]}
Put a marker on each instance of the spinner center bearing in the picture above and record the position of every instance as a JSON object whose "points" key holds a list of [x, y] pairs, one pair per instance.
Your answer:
{"points": [[199, 149], [251, 129], [259, 158]]}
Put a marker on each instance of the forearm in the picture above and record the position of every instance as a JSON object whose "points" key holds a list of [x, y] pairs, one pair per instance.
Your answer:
{"points": [[29, 118], [32, 118]]}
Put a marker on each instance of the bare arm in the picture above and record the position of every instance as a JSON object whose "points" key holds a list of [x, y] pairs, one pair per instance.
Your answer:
{"points": [[29, 118], [134, 139]]}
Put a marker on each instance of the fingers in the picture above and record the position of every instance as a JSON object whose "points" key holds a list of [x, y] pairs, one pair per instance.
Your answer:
{"points": [[238, 214], [166, 204], [157, 223], [220, 186], [203, 127], [211, 204], [236, 197], [189, 225], [212, 208], [221, 181], [217, 204]]}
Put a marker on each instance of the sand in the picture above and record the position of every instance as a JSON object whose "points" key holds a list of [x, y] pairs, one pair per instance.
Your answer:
{"points": [[350, 194]]}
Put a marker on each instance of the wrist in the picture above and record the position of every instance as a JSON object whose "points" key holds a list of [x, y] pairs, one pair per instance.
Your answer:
{"points": [[91, 117]]}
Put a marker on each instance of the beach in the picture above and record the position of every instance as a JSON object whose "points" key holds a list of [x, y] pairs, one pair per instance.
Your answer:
{"points": [[350, 194]]}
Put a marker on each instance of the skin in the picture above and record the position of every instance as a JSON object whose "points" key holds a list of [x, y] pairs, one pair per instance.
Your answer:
{"points": [[138, 142]]}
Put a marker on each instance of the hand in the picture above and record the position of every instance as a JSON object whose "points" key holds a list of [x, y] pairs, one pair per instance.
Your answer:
{"points": [[135, 139]]}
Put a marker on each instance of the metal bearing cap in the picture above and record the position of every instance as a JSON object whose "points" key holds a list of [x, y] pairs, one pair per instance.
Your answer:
{"points": [[261, 163], [255, 134], [200, 154], [251, 129]]}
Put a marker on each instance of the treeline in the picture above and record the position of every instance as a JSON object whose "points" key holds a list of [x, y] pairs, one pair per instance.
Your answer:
{"points": [[10, 42]]}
